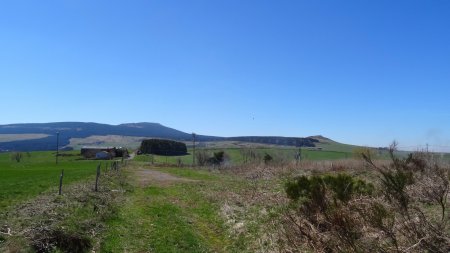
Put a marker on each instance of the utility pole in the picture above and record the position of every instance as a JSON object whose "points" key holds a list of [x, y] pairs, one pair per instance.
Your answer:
{"points": [[298, 156], [193, 145], [57, 146]]}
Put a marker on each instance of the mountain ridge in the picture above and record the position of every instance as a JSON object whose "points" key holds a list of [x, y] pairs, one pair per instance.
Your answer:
{"points": [[68, 130]]}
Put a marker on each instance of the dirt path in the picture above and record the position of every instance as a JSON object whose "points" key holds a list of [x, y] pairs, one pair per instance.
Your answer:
{"points": [[148, 176]]}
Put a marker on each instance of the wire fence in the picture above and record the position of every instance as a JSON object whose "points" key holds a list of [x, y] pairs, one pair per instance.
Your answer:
{"points": [[114, 166]]}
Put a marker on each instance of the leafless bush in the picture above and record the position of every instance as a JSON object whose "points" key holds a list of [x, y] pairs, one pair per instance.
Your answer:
{"points": [[201, 157], [16, 156], [250, 155]]}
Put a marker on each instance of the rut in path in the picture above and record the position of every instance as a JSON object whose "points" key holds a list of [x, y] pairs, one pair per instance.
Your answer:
{"points": [[148, 176]]}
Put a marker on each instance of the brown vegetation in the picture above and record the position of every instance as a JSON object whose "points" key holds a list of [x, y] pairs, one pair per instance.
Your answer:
{"points": [[406, 213]]}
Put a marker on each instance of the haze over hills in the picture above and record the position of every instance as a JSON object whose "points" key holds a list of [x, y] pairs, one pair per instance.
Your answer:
{"points": [[42, 136]]}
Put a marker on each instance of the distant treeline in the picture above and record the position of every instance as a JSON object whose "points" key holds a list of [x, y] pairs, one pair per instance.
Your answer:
{"points": [[163, 147]]}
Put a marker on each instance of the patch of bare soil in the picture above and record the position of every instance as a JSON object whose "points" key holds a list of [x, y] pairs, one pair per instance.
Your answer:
{"points": [[146, 177]]}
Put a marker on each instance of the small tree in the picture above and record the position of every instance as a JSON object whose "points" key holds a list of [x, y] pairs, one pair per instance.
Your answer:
{"points": [[217, 159], [267, 158]]}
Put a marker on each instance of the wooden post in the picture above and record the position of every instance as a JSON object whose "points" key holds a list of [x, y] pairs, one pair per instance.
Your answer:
{"points": [[61, 181], [57, 147], [193, 144], [96, 178]]}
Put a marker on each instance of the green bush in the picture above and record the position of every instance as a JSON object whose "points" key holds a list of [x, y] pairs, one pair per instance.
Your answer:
{"points": [[267, 158], [217, 159], [342, 186]]}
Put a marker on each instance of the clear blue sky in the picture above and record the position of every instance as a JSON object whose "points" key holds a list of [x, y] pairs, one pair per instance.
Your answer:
{"points": [[360, 72]]}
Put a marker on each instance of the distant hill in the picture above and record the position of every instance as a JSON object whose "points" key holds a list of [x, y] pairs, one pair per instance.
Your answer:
{"points": [[70, 130], [42, 136]]}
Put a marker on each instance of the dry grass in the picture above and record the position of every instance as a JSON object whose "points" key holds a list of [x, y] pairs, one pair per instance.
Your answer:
{"points": [[272, 171], [257, 210], [71, 222]]}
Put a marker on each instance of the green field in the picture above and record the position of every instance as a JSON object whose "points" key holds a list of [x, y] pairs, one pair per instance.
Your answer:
{"points": [[235, 156], [37, 172], [151, 208]]}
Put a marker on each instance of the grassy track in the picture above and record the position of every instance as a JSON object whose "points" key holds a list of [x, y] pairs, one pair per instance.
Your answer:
{"points": [[173, 217], [38, 173]]}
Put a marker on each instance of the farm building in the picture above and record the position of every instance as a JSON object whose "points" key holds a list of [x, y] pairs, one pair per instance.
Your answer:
{"points": [[103, 152]]}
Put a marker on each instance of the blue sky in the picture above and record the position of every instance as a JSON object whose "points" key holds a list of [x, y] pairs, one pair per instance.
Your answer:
{"points": [[360, 72]]}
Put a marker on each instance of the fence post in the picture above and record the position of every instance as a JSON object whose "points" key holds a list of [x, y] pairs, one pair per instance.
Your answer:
{"points": [[96, 178], [61, 181]]}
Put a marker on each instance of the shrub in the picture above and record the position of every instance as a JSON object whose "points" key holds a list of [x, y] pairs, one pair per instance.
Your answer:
{"points": [[201, 157], [217, 159], [339, 213], [267, 158], [342, 186], [17, 156], [204, 158]]}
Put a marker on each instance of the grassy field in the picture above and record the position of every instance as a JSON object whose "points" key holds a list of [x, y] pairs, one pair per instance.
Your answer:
{"points": [[235, 156], [37, 172], [155, 208]]}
